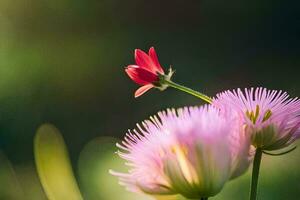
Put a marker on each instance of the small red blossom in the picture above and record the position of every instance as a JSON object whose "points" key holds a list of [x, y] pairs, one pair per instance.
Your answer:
{"points": [[146, 71]]}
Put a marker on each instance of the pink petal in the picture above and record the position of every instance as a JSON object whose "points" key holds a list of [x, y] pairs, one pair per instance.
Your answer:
{"points": [[154, 58], [297, 133], [140, 76], [144, 61], [142, 90]]}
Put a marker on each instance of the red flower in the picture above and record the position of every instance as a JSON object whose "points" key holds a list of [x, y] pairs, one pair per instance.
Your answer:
{"points": [[146, 71]]}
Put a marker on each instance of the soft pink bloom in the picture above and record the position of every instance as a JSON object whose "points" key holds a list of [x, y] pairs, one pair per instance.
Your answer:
{"points": [[190, 151], [146, 71], [270, 117]]}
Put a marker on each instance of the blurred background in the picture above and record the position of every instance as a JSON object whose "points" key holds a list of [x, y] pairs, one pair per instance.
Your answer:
{"points": [[62, 62]]}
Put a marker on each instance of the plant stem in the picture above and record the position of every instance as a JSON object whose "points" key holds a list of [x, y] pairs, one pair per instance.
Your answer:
{"points": [[188, 90], [255, 174]]}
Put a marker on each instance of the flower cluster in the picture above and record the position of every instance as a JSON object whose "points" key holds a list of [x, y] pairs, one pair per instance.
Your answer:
{"points": [[191, 151], [194, 151], [271, 117]]}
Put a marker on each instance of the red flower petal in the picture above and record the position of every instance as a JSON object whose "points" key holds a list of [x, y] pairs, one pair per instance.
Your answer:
{"points": [[142, 90], [144, 61], [141, 76], [154, 58]]}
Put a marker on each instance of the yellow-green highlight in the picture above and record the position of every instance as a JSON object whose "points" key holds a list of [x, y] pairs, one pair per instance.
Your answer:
{"points": [[53, 165]]}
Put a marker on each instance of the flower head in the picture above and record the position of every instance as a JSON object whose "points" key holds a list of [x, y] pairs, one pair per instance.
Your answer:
{"points": [[271, 117], [147, 71], [190, 151]]}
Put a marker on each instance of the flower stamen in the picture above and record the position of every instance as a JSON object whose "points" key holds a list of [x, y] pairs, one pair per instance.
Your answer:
{"points": [[267, 115], [253, 116]]}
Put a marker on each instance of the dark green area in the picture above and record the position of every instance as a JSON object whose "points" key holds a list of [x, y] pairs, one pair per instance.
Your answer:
{"points": [[61, 61]]}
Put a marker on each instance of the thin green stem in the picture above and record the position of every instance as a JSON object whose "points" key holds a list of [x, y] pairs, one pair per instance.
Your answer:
{"points": [[281, 153], [255, 174], [188, 90]]}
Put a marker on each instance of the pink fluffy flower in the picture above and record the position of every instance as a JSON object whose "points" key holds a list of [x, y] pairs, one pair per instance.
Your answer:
{"points": [[190, 151], [146, 71], [270, 117]]}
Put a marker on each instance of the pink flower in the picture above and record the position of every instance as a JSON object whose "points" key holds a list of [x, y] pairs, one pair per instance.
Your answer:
{"points": [[271, 117], [190, 151], [146, 72]]}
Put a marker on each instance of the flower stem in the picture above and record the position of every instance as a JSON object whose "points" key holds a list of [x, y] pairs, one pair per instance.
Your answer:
{"points": [[189, 91], [255, 174]]}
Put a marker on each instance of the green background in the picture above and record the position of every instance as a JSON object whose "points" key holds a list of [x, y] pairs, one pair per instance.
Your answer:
{"points": [[62, 62]]}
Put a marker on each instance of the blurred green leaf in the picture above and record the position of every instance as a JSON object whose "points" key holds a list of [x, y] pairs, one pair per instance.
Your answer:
{"points": [[12, 189], [29, 181], [53, 165], [95, 160]]}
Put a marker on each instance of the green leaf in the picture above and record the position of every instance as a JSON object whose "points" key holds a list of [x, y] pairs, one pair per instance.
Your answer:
{"points": [[95, 161], [53, 165], [8, 178]]}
